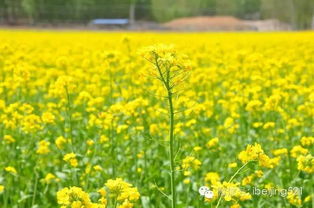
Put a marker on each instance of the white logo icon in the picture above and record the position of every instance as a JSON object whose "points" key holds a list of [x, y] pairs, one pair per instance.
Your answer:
{"points": [[209, 194], [204, 191]]}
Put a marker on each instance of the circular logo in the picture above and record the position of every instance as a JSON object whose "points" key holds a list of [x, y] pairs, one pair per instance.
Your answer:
{"points": [[203, 190], [209, 194]]}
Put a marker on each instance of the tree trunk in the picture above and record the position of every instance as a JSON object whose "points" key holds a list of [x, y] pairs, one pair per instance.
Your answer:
{"points": [[132, 13], [10, 11], [293, 15]]}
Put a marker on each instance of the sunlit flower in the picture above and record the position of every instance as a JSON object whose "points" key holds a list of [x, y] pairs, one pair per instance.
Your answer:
{"points": [[191, 162], [10, 169], [60, 142], [43, 147], [71, 159], [8, 139]]}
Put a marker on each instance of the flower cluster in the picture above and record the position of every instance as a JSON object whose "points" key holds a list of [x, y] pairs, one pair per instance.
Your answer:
{"points": [[171, 67], [75, 197], [256, 153], [120, 194], [306, 163], [122, 191], [191, 162], [71, 159], [43, 147]]}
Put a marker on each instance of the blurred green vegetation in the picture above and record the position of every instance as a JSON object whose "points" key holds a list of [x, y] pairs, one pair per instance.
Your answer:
{"points": [[299, 13]]}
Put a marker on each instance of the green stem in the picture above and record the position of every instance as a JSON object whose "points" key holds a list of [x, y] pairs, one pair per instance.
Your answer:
{"points": [[171, 149], [112, 151], [115, 203], [35, 188], [69, 114], [166, 79], [312, 192]]}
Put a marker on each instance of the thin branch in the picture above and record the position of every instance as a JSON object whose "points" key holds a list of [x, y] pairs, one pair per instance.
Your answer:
{"points": [[163, 193]]}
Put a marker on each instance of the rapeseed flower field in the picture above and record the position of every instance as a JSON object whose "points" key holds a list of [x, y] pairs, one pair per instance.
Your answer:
{"points": [[156, 120]]}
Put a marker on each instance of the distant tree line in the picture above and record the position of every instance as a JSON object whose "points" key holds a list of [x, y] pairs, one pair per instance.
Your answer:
{"points": [[299, 13]]}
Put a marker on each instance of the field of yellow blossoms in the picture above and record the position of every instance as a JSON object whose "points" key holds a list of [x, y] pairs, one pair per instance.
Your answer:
{"points": [[84, 120]]}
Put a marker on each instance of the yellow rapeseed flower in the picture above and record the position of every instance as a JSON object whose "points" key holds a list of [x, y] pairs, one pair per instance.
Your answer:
{"points": [[10, 169], [43, 147], [71, 159]]}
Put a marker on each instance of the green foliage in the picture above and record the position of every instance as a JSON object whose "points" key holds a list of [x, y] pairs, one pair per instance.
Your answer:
{"points": [[163, 10], [298, 13], [226, 7], [304, 12], [30, 8]]}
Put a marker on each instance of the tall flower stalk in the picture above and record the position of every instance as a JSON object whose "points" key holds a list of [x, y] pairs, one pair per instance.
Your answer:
{"points": [[171, 148], [170, 69]]}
